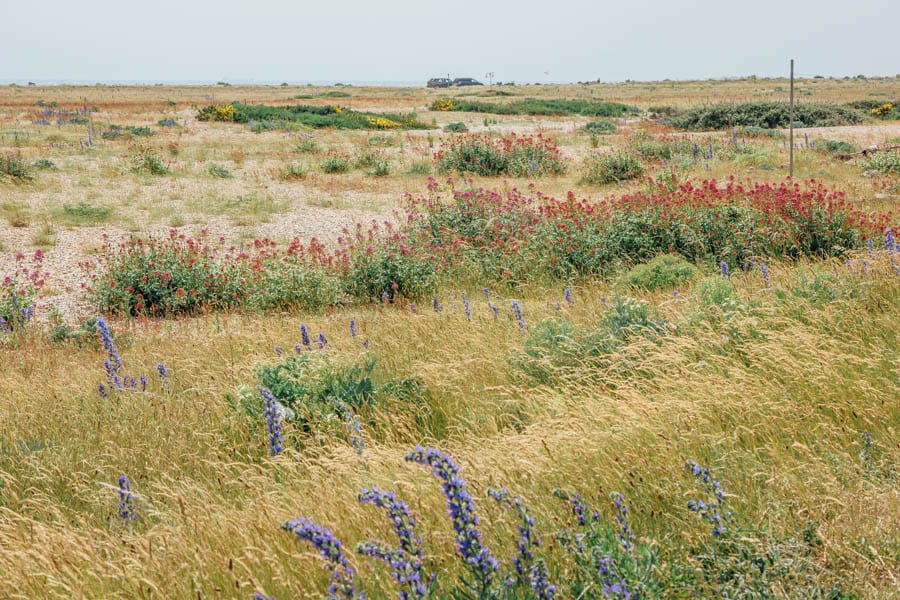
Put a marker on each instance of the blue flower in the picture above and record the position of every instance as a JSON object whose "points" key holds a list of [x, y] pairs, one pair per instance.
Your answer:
{"points": [[517, 313], [461, 510], [162, 371], [710, 512], [723, 267], [126, 501], [330, 549], [407, 559], [273, 421], [304, 335]]}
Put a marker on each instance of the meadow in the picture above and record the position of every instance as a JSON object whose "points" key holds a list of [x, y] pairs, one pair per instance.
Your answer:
{"points": [[521, 341]]}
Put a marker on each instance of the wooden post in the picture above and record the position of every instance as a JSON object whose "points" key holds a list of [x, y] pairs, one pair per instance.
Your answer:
{"points": [[791, 172]]}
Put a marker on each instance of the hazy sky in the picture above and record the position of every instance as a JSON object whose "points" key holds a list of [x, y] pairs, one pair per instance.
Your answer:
{"points": [[412, 40]]}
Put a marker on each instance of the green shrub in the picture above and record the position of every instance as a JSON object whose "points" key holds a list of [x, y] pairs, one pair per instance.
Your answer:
{"points": [[219, 172], [767, 115], [516, 156], [307, 144], [599, 127], [370, 275], [884, 162], [420, 167], [281, 285], [538, 106], [44, 164], [836, 147], [143, 159], [85, 214], [457, 127], [308, 115], [601, 169], [666, 271], [293, 172], [13, 168], [336, 94], [335, 163]]}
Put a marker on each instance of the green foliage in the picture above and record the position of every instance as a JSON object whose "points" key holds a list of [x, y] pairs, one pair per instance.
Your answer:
{"points": [[601, 169], [663, 272], [219, 172], [599, 127], [336, 94], [307, 145], [374, 163], [85, 335], [142, 159], [388, 271], [420, 167], [281, 285], [456, 127], [767, 115], [44, 164], [526, 156], [884, 162], [293, 172], [539, 106], [309, 116], [335, 163], [13, 168], [836, 147], [84, 213], [128, 131]]}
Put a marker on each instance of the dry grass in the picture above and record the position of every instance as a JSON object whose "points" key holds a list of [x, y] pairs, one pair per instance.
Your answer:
{"points": [[777, 416]]}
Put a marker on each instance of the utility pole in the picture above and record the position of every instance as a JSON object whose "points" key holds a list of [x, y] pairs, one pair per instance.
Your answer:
{"points": [[791, 172]]}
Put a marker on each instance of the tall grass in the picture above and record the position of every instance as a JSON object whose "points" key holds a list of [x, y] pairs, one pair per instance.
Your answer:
{"points": [[772, 391]]}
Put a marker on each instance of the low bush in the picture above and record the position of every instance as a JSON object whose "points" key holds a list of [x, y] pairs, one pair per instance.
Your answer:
{"points": [[143, 160], [601, 169], [599, 127], [766, 115], [13, 168], [537, 106], [665, 271], [219, 172], [84, 213], [292, 172], [516, 156], [308, 115], [836, 147], [335, 163], [456, 127], [884, 162], [389, 272]]}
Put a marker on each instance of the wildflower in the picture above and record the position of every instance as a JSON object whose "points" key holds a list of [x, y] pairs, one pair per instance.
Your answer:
{"points": [[143, 381], [4, 327], [613, 584], [261, 596], [487, 294], [890, 242], [517, 313], [436, 305], [355, 436], [273, 421], [495, 310], [321, 342], [567, 294], [412, 308], [535, 574], [467, 309], [461, 510], [764, 270], [723, 267], [870, 247], [352, 329], [101, 390], [126, 501], [385, 297], [330, 548], [304, 335], [407, 559], [162, 371], [113, 362], [298, 349], [708, 512], [625, 536]]}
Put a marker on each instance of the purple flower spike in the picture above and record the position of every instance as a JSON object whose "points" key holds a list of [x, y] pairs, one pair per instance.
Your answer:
{"points": [[461, 510], [273, 421], [330, 549]]}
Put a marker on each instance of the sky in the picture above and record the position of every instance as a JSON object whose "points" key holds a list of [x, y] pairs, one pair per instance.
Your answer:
{"points": [[409, 41]]}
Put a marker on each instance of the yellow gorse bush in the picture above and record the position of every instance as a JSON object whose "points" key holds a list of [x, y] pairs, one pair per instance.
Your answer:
{"points": [[880, 111], [443, 104], [382, 123]]}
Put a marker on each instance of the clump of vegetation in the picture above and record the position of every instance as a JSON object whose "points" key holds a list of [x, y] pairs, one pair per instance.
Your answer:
{"points": [[766, 115], [663, 272], [307, 144], [44, 164], [599, 127], [537, 106], [142, 159], [884, 162], [84, 213], [516, 156], [218, 171], [308, 115], [293, 172], [13, 168], [456, 127], [836, 147], [128, 131], [601, 169], [334, 163]]}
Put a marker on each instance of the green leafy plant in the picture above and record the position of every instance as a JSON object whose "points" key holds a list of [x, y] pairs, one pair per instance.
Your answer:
{"points": [[601, 169], [665, 271]]}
